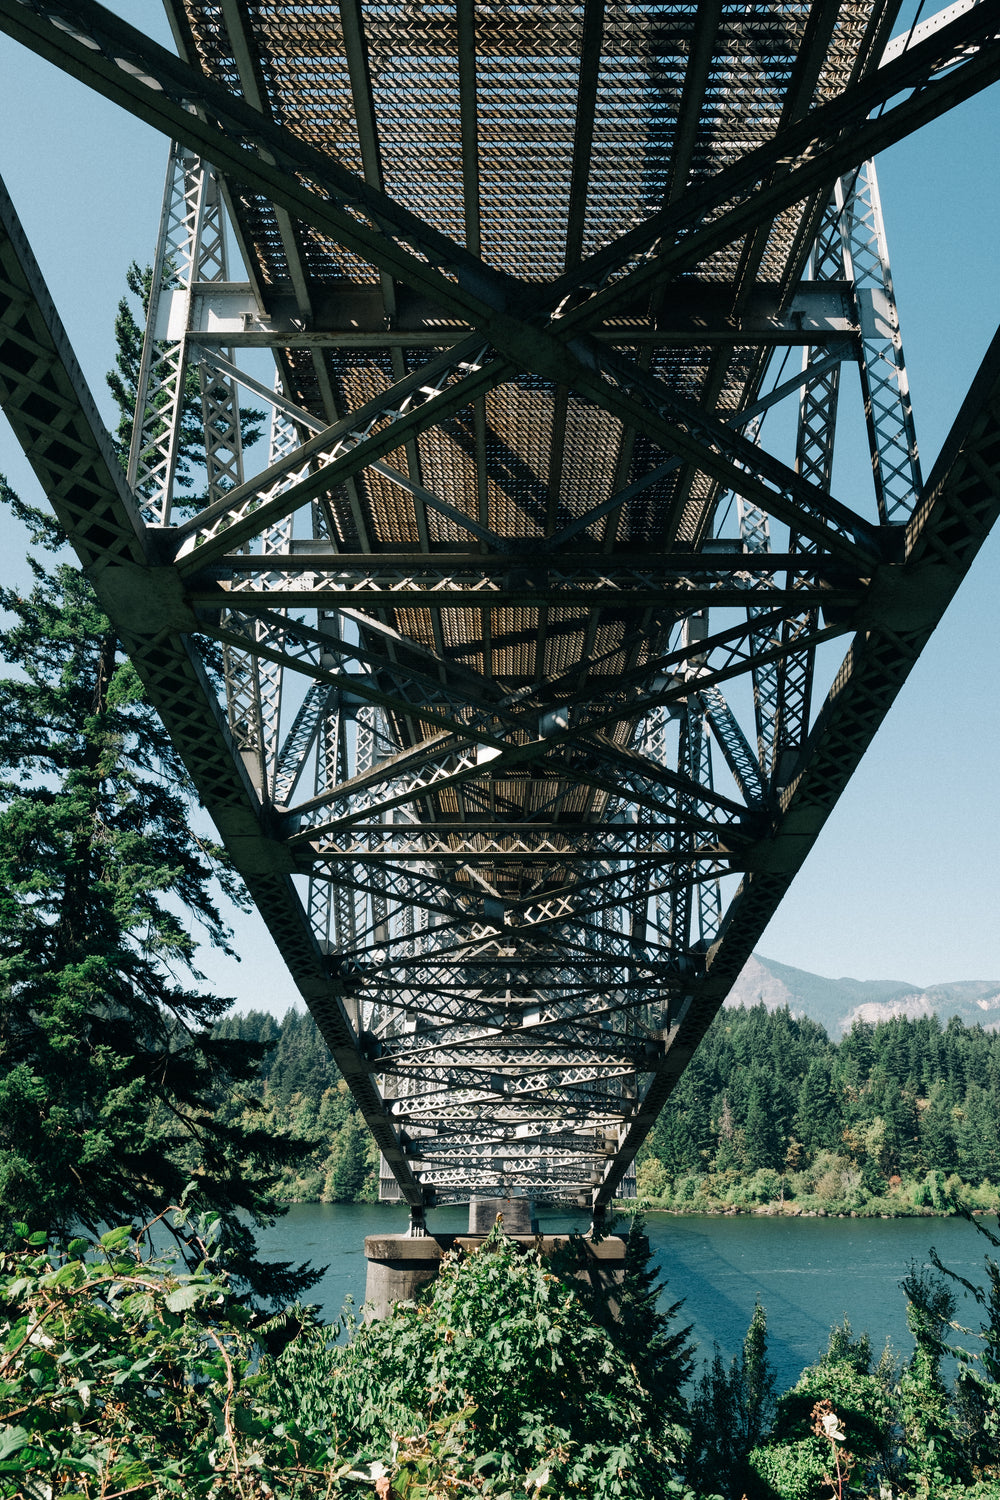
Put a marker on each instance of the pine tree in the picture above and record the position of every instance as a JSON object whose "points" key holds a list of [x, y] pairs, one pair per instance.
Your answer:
{"points": [[817, 1116], [660, 1353], [764, 1144], [731, 1411], [110, 1068], [757, 1382], [347, 1179], [672, 1144]]}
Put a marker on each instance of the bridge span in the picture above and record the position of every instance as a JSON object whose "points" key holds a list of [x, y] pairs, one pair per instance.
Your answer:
{"points": [[521, 673]]}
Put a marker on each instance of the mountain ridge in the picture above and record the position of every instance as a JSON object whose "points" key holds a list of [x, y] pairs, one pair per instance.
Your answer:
{"points": [[837, 1003]]}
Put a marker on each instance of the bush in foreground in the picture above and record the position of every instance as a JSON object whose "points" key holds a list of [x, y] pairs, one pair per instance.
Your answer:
{"points": [[123, 1374]]}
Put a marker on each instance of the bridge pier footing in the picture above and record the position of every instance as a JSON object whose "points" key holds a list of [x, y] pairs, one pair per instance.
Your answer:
{"points": [[399, 1266]]}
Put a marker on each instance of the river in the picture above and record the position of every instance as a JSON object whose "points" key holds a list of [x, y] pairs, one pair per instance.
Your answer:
{"points": [[807, 1272]]}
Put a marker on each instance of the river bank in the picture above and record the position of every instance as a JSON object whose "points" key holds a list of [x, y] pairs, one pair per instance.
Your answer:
{"points": [[794, 1211], [838, 1191], [931, 1197], [777, 1210]]}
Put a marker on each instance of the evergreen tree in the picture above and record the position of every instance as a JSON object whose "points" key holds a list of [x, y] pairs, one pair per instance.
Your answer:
{"points": [[348, 1176], [660, 1353], [938, 1148], [764, 1146], [692, 1100], [672, 1144], [817, 1116], [757, 1382], [979, 1138], [731, 1412], [301, 1063], [729, 1152], [110, 1064]]}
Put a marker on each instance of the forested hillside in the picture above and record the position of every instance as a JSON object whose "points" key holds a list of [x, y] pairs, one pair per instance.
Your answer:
{"points": [[895, 1118], [302, 1095]]}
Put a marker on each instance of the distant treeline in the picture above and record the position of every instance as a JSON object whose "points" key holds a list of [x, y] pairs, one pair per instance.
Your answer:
{"points": [[897, 1117]]}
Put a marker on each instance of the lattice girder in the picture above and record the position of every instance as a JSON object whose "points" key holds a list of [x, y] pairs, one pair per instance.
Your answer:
{"points": [[517, 751]]}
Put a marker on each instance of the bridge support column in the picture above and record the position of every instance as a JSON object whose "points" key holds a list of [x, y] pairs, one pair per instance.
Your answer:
{"points": [[399, 1266], [518, 1215]]}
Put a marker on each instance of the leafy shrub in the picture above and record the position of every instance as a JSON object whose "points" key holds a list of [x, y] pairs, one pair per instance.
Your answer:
{"points": [[120, 1374], [651, 1178], [124, 1374], [505, 1350], [764, 1186], [842, 1385], [793, 1471], [687, 1188]]}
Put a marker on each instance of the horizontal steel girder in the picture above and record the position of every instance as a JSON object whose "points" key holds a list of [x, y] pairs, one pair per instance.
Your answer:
{"points": [[229, 315], [318, 580]]}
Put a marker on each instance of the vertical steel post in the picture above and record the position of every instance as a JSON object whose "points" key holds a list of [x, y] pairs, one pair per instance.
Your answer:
{"points": [[190, 248], [888, 410]]}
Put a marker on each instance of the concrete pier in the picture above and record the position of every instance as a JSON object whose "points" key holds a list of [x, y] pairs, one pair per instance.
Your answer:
{"points": [[399, 1266], [518, 1215]]}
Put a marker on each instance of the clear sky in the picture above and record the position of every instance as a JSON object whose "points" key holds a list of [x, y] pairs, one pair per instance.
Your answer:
{"points": [[904, 882]]}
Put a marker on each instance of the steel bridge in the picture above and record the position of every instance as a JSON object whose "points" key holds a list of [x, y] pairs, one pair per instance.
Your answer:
{"points": [[514, 675]]}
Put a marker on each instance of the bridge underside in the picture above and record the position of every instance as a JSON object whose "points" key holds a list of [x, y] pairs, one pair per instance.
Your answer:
{"points": [[514, 676]]}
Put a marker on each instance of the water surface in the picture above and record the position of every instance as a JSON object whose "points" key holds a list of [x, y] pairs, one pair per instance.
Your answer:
{"points": [[808, 1273]]}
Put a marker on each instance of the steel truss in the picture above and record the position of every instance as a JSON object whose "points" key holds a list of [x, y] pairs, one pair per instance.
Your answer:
{"points": [[516, 741]]}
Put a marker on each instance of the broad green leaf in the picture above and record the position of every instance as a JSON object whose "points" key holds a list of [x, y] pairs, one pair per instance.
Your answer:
{"points": [[12, 1439], [117, 1239], [185, 1297]]}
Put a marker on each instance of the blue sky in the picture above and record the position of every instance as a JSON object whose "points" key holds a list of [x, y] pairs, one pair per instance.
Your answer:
{"points": [[904, 882]]}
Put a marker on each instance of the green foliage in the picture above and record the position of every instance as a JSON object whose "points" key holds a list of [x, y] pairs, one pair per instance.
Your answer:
{"points": [[791, 1471], [124, 1374], [536, 1392], [653, 1343], [111, 1066], [348, 1178], [299, 1096], [900, 1118], [795, 1458], [934, 1448], [731, 1411], [121, 1373]]}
